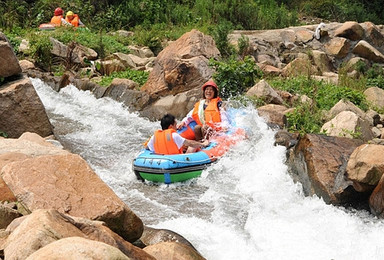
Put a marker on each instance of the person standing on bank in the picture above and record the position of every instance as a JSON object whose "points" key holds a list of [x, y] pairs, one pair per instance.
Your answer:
{"points": [[208, 114], [168, 141]]}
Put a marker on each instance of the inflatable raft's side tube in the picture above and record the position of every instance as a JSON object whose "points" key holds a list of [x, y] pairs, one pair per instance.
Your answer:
{"points": [[46, 26]]}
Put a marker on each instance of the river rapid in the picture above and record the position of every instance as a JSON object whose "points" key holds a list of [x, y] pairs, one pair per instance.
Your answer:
{"points": [[245, 206]]}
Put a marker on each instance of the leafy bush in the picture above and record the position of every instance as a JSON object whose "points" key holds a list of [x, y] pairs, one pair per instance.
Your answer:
{"points": [[376, 82], [304, 119], [138, 76], [307, 118], [234, 77], [220, 35], [40, 49]]}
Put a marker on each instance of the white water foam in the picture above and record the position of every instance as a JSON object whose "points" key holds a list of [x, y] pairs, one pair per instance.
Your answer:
{"points": [[245, 206]]}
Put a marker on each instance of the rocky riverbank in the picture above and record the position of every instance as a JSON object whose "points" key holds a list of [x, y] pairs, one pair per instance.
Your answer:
{"points": [[47, 188]]}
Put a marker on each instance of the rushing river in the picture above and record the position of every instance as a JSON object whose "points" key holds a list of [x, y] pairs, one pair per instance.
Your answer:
{"points": [[245, 206]]}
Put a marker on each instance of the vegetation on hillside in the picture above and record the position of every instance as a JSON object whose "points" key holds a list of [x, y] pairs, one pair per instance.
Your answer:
{"points": [[156, 21]]}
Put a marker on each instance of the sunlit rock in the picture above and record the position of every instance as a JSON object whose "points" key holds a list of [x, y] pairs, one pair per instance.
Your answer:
{"points": [[182, 65], [365, 168], [348, 124], [78, 248], [318, 162], [9, 65], [366, 50], [67, 183], [350, 30], [173, 250], [21, 110], [375, 95], [264, 91]]}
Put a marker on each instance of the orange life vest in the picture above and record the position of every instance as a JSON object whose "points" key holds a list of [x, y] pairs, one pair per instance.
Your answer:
{"points": [[211, 113], [164, 144], [56, 20], [74, 21]]}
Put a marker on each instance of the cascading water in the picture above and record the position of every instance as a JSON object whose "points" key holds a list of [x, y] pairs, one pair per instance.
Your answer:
{"points": [[245, 206]]}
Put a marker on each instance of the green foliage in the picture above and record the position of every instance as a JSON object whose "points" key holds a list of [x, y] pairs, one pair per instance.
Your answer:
{"points": [[375, 71], [376, 82], [40, 49], [304, 119], [220, 34], [138, 76], [244, 46], [234, 77], [3, 134], [307, 118], [343, 10]]}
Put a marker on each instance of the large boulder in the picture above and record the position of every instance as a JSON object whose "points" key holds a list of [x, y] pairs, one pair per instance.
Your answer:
{"points": [[275, 115], [9, 65], [182, 65], [178, 105], [78, 248], [373, 34], [38, 230], [265, 92], [75, 52], [21, 110], [350, 30], [375, 95], [348, 124], [318, 162], [66, 182], [173, 250], [365, 168], [366, 50], [338, 47]]}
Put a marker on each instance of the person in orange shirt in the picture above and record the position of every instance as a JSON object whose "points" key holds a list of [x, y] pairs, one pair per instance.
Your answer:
{"points": [[73, 19], [168, 141], [57, 19], [208, 113]]}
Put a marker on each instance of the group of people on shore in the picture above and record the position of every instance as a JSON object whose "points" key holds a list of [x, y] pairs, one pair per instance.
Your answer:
{"points": [[207, 117], [71, 19]]}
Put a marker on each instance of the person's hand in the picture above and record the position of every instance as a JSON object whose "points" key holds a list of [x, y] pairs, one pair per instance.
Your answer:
{"points": [[180, 125], [205, 143]]}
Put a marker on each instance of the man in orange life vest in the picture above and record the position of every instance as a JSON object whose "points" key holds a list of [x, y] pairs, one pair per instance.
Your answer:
{"points": [[168, 141], [73, 19], [57, 19], [207, 113]]}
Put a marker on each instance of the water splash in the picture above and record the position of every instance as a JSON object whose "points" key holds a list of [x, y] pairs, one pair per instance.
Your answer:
{"points": [[245, 206]]}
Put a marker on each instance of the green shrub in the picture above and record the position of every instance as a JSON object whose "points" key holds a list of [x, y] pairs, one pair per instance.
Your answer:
{"points": [[375, 71], [3, 134], [40, 49], [304, 119], [138, 76], [307, 118], [234, 77], [376, 82], [220, 35]]}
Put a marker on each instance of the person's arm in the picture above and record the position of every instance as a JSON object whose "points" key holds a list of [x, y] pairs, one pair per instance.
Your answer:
{"points": [[180, 141], [150, 144], [186, 120], [64, 22], [196, 144]]}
